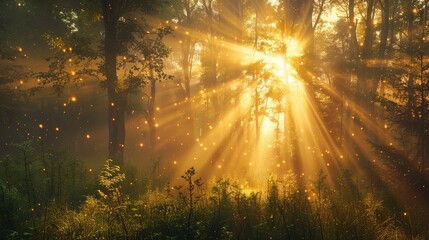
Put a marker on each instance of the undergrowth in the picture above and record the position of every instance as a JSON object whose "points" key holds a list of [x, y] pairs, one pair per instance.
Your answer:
{"points": [[285, 208]]}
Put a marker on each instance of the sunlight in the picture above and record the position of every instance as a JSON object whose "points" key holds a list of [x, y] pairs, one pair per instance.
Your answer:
{"points": [[331, 16], [226, 119], [215, 153], [293, 48], [282, 70], [282, 65], [274, 3]]}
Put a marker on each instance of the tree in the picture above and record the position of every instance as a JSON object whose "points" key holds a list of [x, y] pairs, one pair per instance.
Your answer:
{"points": [[13, 73], [231, 22], [407, 107], [187, 12], [122, 32], [210, 54], [154, 51]]}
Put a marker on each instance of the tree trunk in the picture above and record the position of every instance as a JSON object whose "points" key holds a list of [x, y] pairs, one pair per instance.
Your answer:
{"points": [[367, 47], [255, 79], [354, 63], [423, 119], [212, 79], [151, 116], [384, 28], [256, 112], [307, 28], [410, 83], [375, 133], [230, 21], [364, 73], [188, 47], [424, 81], [392, 24], [353, 38], [117, 101], [187, 59]]}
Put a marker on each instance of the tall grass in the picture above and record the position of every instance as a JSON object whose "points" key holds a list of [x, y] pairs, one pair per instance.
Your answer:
{"points": [[286, 207]]}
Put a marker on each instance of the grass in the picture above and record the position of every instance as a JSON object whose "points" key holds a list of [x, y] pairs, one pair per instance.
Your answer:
{"points": [[285, 208], [56, 198]]}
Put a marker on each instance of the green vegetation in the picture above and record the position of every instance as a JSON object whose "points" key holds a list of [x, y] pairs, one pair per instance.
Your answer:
{"points": [[285, 207], [331, 95]]}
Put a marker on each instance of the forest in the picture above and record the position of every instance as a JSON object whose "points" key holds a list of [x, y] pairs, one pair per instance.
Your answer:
{"points": [[214, 119]]}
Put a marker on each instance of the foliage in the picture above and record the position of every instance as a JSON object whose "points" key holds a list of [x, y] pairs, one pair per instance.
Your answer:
{"points": [[285, 208], [115, 205], [364, 77], [32, 183]]}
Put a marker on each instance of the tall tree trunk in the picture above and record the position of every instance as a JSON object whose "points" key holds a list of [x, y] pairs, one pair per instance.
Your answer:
{"points": [[256, 112], [354, 65], [187, 65], [211, 78], [188, 48], [255, 79], [187, 62], [410, 83], [392, 24], [424, 81], [353, 54], [151, 116], [369, 20], [116, 100], [213, 69], [230, 21], [383, 46], [423, 133], [307, 28], [364, 73], [375, 133]]}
